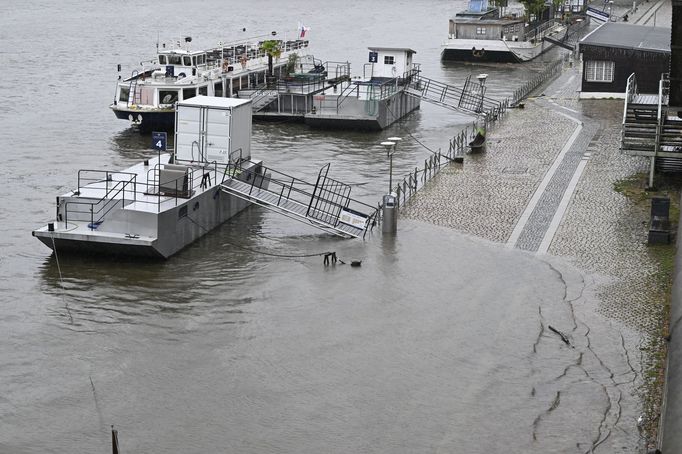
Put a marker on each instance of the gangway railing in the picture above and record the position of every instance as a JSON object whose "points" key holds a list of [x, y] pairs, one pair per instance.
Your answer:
{"points": [[326, 205], [453, 97]]}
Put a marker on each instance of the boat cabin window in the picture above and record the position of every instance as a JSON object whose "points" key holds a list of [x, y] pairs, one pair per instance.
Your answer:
{"points": [[174, 59], [203, 90], [218, 89], [389, 60], [189, 93], [162, 59], [168, 96], [480, 30], [186, 61], [125, 93], [199, 60]]}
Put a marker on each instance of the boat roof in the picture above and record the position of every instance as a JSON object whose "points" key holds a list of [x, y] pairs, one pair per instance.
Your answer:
{"points": [[630, 36], [394, 49], [213, 101], [479, 19]]}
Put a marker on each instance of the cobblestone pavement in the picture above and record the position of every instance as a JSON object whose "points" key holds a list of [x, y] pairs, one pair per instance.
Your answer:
{"points": [[486, 195]]}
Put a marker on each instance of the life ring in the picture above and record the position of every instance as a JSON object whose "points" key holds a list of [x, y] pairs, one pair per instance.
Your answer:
{"points": [[182, 75], [477, 53], [243, 59]]}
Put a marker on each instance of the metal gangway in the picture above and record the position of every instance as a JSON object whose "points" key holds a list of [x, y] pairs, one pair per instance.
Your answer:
{"points": [[326, 205], [468, 99]]}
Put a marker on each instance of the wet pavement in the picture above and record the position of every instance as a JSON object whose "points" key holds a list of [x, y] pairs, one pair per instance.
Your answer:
{"points": [[546, 185]]}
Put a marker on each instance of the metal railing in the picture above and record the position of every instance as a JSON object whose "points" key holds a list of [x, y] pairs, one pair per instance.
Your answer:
{"points": [[115, 194], [527, 88], [322, 201], [123, 188]]}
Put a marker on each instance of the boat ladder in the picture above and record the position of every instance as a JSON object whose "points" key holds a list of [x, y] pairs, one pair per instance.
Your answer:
{"points": [[134, 95], [326, 205]]}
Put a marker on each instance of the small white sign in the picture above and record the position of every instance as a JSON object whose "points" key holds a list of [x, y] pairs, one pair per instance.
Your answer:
{"points": [[354, 219]]}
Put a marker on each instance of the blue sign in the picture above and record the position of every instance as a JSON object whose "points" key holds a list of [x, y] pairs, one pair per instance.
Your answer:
{"points": [[159, 140], [373, 57]]}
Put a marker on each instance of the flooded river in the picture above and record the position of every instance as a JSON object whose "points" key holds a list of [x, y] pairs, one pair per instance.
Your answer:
{"points": [[432, 345]]}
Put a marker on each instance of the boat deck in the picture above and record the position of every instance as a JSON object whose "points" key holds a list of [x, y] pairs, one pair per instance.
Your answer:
{"points": [[143, 195]]}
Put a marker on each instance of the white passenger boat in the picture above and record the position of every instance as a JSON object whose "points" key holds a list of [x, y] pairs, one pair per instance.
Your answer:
{"points": [[147, 97], [159, 206], [484, 33]]}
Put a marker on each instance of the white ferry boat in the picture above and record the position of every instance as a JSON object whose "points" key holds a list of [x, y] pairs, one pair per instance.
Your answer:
{"points": [[484, 33], [147, 97]]}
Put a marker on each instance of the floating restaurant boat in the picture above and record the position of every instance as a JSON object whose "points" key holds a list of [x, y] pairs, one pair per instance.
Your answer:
{"points": [[483, 33], [373, 101], [147, 97], [157, 207]]}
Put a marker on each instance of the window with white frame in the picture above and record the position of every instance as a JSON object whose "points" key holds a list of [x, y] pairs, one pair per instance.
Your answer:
{"points": [[389, 60], [480, 30], [599, 71]]}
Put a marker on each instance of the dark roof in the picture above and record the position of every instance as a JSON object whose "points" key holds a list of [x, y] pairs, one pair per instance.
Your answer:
{"points": [[629, 36]]}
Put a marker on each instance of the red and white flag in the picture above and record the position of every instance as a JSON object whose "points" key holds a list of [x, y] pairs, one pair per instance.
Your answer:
{"points": [[302, 29]]}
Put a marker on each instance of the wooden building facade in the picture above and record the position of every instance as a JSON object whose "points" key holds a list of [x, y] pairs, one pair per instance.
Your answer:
{"points": [[612, 52]]}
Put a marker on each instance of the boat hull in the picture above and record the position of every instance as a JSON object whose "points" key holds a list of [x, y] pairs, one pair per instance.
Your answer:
{"points": [[493, 51], [364, 114], [147, 120], [466, 55]]}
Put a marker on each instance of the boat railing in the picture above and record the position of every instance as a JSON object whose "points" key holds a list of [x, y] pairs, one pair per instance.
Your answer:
{"points": [[301, 86], [122, 189], [538, 31], [116, 186], [348, 91], [373, 90]]}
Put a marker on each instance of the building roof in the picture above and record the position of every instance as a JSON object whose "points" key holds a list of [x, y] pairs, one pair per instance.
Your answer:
{"points": [[394, 49], [629, 36]]}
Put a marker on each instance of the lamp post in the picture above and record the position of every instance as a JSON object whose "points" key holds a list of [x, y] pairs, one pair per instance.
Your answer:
{"points": [[390, 145], [390, 205], [390, 149]]}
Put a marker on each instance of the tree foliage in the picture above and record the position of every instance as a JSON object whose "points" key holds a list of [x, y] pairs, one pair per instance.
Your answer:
{"points": [[533, 7], [272, 49]]}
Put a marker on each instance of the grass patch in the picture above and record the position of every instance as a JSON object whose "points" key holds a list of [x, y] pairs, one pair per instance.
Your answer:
{"points": [[655, 347]]}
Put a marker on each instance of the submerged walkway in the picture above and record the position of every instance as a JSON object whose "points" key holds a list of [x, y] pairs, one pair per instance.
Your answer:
{"points": [[546, 185]]}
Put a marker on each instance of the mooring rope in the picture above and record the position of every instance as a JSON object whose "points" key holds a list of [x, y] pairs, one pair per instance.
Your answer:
{"points": [[61, 279]]}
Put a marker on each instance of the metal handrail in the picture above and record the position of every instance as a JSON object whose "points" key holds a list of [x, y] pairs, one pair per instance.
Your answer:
{"points": [[107, 203], [296, 190]]}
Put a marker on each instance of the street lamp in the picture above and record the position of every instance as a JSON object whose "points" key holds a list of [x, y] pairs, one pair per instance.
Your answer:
{"points": [[395, 141], [481, 89], [390, 149]]}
